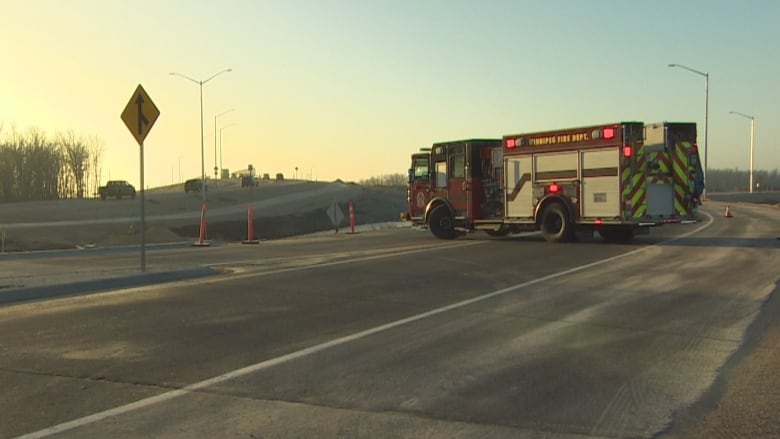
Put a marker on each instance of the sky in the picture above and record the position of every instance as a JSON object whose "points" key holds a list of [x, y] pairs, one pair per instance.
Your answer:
{"points": [[348, 89]]}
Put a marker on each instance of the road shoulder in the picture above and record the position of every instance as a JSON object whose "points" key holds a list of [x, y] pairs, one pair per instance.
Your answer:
{"points": [[744, 401]]}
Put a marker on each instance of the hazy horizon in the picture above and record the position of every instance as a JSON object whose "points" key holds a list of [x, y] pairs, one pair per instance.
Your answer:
{"points": [[349, 89]]}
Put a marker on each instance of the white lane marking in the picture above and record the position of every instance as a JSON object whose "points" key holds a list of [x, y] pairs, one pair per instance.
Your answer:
{"points": [[96, 417], [383, 252], [334, 263], [89, 300]]}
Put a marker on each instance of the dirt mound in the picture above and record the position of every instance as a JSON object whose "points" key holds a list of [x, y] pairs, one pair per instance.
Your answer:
{"points": [[59, 226]]}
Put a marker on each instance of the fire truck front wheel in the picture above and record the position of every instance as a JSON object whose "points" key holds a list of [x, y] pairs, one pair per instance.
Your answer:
{"points": [[441, 223], [555, 224]]}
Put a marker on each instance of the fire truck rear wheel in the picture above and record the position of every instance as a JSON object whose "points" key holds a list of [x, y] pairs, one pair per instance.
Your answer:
{"points": [[555, 225], [441, 223]]}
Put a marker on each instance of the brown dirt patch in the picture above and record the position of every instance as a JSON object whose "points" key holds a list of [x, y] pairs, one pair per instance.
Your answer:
{"points": [[372, 205]]}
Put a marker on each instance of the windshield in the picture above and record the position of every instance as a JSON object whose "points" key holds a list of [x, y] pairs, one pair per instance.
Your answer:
{"points": [[420, 168]]}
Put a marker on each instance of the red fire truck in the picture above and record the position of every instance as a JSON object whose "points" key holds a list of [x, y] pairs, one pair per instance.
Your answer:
{"points": [[618, 179]]}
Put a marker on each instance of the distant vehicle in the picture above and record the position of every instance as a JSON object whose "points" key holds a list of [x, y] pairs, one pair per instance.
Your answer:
{"points": [[116, 188], [280, 177], [248, 181], [194, 185], [266, 176]]}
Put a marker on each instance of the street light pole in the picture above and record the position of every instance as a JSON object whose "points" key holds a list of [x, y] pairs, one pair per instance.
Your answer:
{"points": [[215, 141], [752, 126], [220, 142], [202, 148], [706, 115]]}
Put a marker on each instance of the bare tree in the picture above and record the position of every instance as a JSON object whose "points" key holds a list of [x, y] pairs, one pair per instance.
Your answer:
{"points": [[76, 160], [29, 167], [95, 145]]}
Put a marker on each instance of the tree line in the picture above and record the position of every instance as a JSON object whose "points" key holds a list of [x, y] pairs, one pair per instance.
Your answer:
{"points": [[36, 166], [735, 180], [718, 180], [387, 180]]}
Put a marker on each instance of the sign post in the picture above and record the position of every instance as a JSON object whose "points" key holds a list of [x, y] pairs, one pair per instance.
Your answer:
{"points": [[336, 215], [139, 115]]}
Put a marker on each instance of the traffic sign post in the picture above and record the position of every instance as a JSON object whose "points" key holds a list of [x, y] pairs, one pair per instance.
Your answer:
{"points": [[336, 215], [139, 116]]}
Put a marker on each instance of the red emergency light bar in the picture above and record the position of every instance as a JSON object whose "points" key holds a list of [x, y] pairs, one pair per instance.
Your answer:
{"points": [[511, 143], [608, 133]]}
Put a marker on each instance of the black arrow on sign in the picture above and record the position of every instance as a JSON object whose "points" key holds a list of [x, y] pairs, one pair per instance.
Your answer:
{"points": [[141, 118]]}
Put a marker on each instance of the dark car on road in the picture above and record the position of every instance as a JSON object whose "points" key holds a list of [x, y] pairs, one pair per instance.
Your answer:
{"points": [[194, 185], [116, 188], [249, 181]]}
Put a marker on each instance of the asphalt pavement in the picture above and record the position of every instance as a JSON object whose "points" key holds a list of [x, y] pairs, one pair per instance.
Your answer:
{"points": [[397, 334]]}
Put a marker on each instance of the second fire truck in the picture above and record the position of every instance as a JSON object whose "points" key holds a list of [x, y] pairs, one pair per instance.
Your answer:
{"points": [[618, 179]]}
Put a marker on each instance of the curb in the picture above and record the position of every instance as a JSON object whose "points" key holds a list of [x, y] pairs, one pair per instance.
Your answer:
{"points": [[81, 288]]}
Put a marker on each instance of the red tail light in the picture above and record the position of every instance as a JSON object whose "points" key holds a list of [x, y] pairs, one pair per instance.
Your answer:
{"points": [[553, 188], [597, 222]]}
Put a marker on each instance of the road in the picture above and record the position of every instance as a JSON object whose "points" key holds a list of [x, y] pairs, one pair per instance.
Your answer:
{"points": [[395, 334], [279, 210], [171, 206]]}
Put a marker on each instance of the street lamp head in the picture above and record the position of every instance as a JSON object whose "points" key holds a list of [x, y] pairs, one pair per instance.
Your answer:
{"points": [[222, 113], [742, 114], [672, 65]]}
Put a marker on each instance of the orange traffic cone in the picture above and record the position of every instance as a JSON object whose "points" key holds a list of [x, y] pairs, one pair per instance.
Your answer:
{"points": [[250, 227], [727, 213], [202, 239]]}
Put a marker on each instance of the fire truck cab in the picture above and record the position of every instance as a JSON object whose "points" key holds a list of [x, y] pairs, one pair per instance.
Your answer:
{"points": [[465, 186], [418, 187]]}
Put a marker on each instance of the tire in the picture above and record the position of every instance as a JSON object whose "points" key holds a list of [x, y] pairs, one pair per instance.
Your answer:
{"points": [[617, 234], [441, 223], [555, 224]]}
